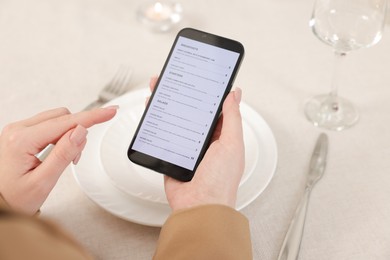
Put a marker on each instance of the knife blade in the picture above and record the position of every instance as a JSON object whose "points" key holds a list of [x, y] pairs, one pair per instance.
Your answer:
{"points": [[292, 241]]}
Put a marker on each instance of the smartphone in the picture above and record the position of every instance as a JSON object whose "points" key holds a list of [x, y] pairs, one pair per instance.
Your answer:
{"points": [[179, 120]]}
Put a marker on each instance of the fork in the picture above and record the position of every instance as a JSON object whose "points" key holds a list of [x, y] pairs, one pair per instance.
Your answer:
{"points": [[116, 87]]}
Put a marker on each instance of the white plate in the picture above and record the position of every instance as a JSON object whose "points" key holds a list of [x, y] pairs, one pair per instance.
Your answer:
{"points": [[139, 181], [136, 194]]}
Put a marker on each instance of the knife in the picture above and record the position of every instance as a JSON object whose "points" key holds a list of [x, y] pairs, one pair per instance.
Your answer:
{"points": [[292, 241]]}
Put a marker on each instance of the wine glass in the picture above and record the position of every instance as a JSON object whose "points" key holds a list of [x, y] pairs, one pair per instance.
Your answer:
{"points": [[346, 25]]}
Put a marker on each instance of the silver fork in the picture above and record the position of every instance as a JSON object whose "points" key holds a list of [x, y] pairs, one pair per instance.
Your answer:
{"points": [[116, 87]]}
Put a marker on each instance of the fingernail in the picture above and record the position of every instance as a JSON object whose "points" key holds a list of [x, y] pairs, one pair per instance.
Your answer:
{"points": [[237, 95], [77, 159], [78, 136], [153, 78], [114, 107]]}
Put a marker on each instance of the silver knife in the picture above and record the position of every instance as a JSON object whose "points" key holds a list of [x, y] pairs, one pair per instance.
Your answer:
{"points": [[292, 241]]}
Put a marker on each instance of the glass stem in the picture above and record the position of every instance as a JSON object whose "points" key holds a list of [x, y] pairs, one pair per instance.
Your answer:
{"points": [[339, 58]]}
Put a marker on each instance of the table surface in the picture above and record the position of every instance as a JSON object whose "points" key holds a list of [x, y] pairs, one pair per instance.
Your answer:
{"points": [[61, 53]]}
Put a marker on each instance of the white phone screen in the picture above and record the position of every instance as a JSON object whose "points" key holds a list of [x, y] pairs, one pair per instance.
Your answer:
{"points": [[179, 117]]}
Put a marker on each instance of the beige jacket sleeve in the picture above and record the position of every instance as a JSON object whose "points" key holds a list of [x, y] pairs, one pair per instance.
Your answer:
{"points": [[27, 237], [205, 232]]}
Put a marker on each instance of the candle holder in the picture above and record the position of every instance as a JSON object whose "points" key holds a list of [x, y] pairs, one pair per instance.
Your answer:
{"points": [[160, 16]]}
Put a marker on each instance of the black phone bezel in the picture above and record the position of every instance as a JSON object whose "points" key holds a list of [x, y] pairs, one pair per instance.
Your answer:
{"points": [[167, 168]]}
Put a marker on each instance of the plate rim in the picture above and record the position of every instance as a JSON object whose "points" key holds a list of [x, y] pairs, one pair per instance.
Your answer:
{"points": [[139, 202]]}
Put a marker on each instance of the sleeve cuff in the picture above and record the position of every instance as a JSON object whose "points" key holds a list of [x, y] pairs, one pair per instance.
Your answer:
{"points": [[205, 232]]}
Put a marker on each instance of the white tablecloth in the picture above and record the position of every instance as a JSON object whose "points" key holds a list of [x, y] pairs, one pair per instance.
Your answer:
{"points": [[61, 53]]}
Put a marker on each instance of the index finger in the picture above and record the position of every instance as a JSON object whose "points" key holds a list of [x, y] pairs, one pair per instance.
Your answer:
{"points": [[43, 116], [50, 131]]}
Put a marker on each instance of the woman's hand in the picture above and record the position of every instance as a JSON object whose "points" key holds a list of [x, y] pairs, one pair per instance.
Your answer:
{"points": [[25, 181], [218, 175]]}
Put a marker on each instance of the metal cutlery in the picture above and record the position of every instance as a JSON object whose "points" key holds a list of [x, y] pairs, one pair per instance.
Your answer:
{"points": [[116, 87], [292, 241]]}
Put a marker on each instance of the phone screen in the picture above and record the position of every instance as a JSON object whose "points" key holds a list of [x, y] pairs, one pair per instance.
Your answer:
{"points": [[186, 102]]}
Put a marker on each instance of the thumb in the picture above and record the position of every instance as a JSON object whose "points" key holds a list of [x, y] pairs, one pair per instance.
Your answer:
{"points": [[66, 150], [232, 121]]}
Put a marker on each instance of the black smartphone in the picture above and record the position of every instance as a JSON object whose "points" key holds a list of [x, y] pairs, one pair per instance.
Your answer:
{"points": [[179, 120]]}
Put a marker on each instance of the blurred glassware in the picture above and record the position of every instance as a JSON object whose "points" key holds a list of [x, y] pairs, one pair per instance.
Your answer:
{"points": [[388, 14], [160, 16], [345, 25]]}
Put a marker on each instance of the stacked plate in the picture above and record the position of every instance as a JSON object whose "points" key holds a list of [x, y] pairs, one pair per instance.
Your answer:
{"points": [[135, 193]]}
